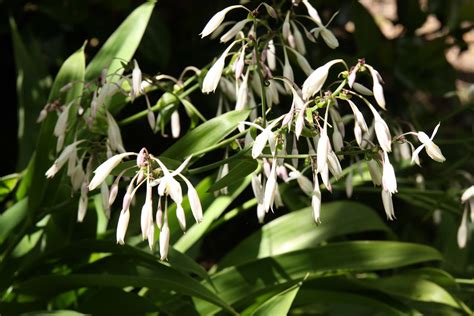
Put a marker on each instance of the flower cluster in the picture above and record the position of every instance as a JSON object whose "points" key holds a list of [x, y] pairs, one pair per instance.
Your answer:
{"points": [[319, 112], [168, 188]]}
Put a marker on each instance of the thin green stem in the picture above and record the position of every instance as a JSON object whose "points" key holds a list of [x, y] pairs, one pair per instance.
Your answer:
{"points": [[262, 80]]}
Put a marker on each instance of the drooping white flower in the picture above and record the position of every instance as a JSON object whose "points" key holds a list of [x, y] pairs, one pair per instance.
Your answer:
{"points": [[377, 88], [362, 89], [146, 218], [299, 42], [328, 37], [381, 131], [431, 148], [270, 188], [68, 151], [303, 182], [271, 55], [287, 70], [136, 80], [463, 230], [468, 198], [113, 134], [349, 184], [316, 201], [194, 201], [299, 124], [265, 136], [175, 124], [286, 26], [122, 226], [389, 181], [375, 172], [216, 20], [334, 165], [181, 217], [315, 81], [61, 126], [313, 13], [388, 204], [322, 150], [230, 34], [213, 76], [242, 94], [164, 239], [83, 201], [106, 168]]}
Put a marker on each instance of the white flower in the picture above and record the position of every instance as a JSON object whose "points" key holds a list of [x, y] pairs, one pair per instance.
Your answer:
{"points": [[168, 185], [315, 81], [286, 26], [287, 70], [377, 86], [468, 197], [122, 226], [113, 134], [349, 184], [337, 140], [83, 200], [181, 217], [136, 80], [304, 183], [105, 169], [146, 218], [175, 124], [375, 172], [211, 80], [334, 165], [265, 136], [164, 240], [194, 201], [271, 55], [300, 122], [216, 20], [322, 150], [270, 188], [360, 126], [68, 151], [313, 13], [60, 127], [463, 230], [299, 42], [316, 201], [329, 37], [388, 204], [230, 34], [362, 89], [431, 148], [242, 94], [381, 131], [389, 181]]}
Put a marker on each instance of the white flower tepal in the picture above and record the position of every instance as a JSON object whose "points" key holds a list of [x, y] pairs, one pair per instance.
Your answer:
{"points": [[431, 148], [389, 181], [315, 81], [105, 169], [214, 74], [216, 20]]}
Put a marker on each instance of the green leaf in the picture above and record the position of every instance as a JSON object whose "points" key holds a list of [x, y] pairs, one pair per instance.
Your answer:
{"points": [[72, 71], [330, 302], [13, 216], [214, 207], [414, 288], [122, 44], [237, 172], [31, 84], [279, 304], [7, 184], [162, 278], [54, 313], [237, 282], [206, 135], [297, 230]]}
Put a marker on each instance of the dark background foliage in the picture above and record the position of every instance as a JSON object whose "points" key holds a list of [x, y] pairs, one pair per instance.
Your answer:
{"points": [[420, 85]]}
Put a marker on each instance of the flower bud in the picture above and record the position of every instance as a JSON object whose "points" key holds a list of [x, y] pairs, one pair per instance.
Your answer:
{"points": [[122, 226], [216, 20], [315, 81], [105, 169]]}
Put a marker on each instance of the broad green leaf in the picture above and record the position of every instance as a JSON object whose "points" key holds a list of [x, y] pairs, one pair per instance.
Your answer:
{"points": [[205, 135], [236, 173], [31, 84], [237, 282], [12, 217], [215, 209], [414, 288], [329, 302], [122, 44], [162, 278], [279, 304], [7, 184], [297, 230], [54, 313], [72, 71]]}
